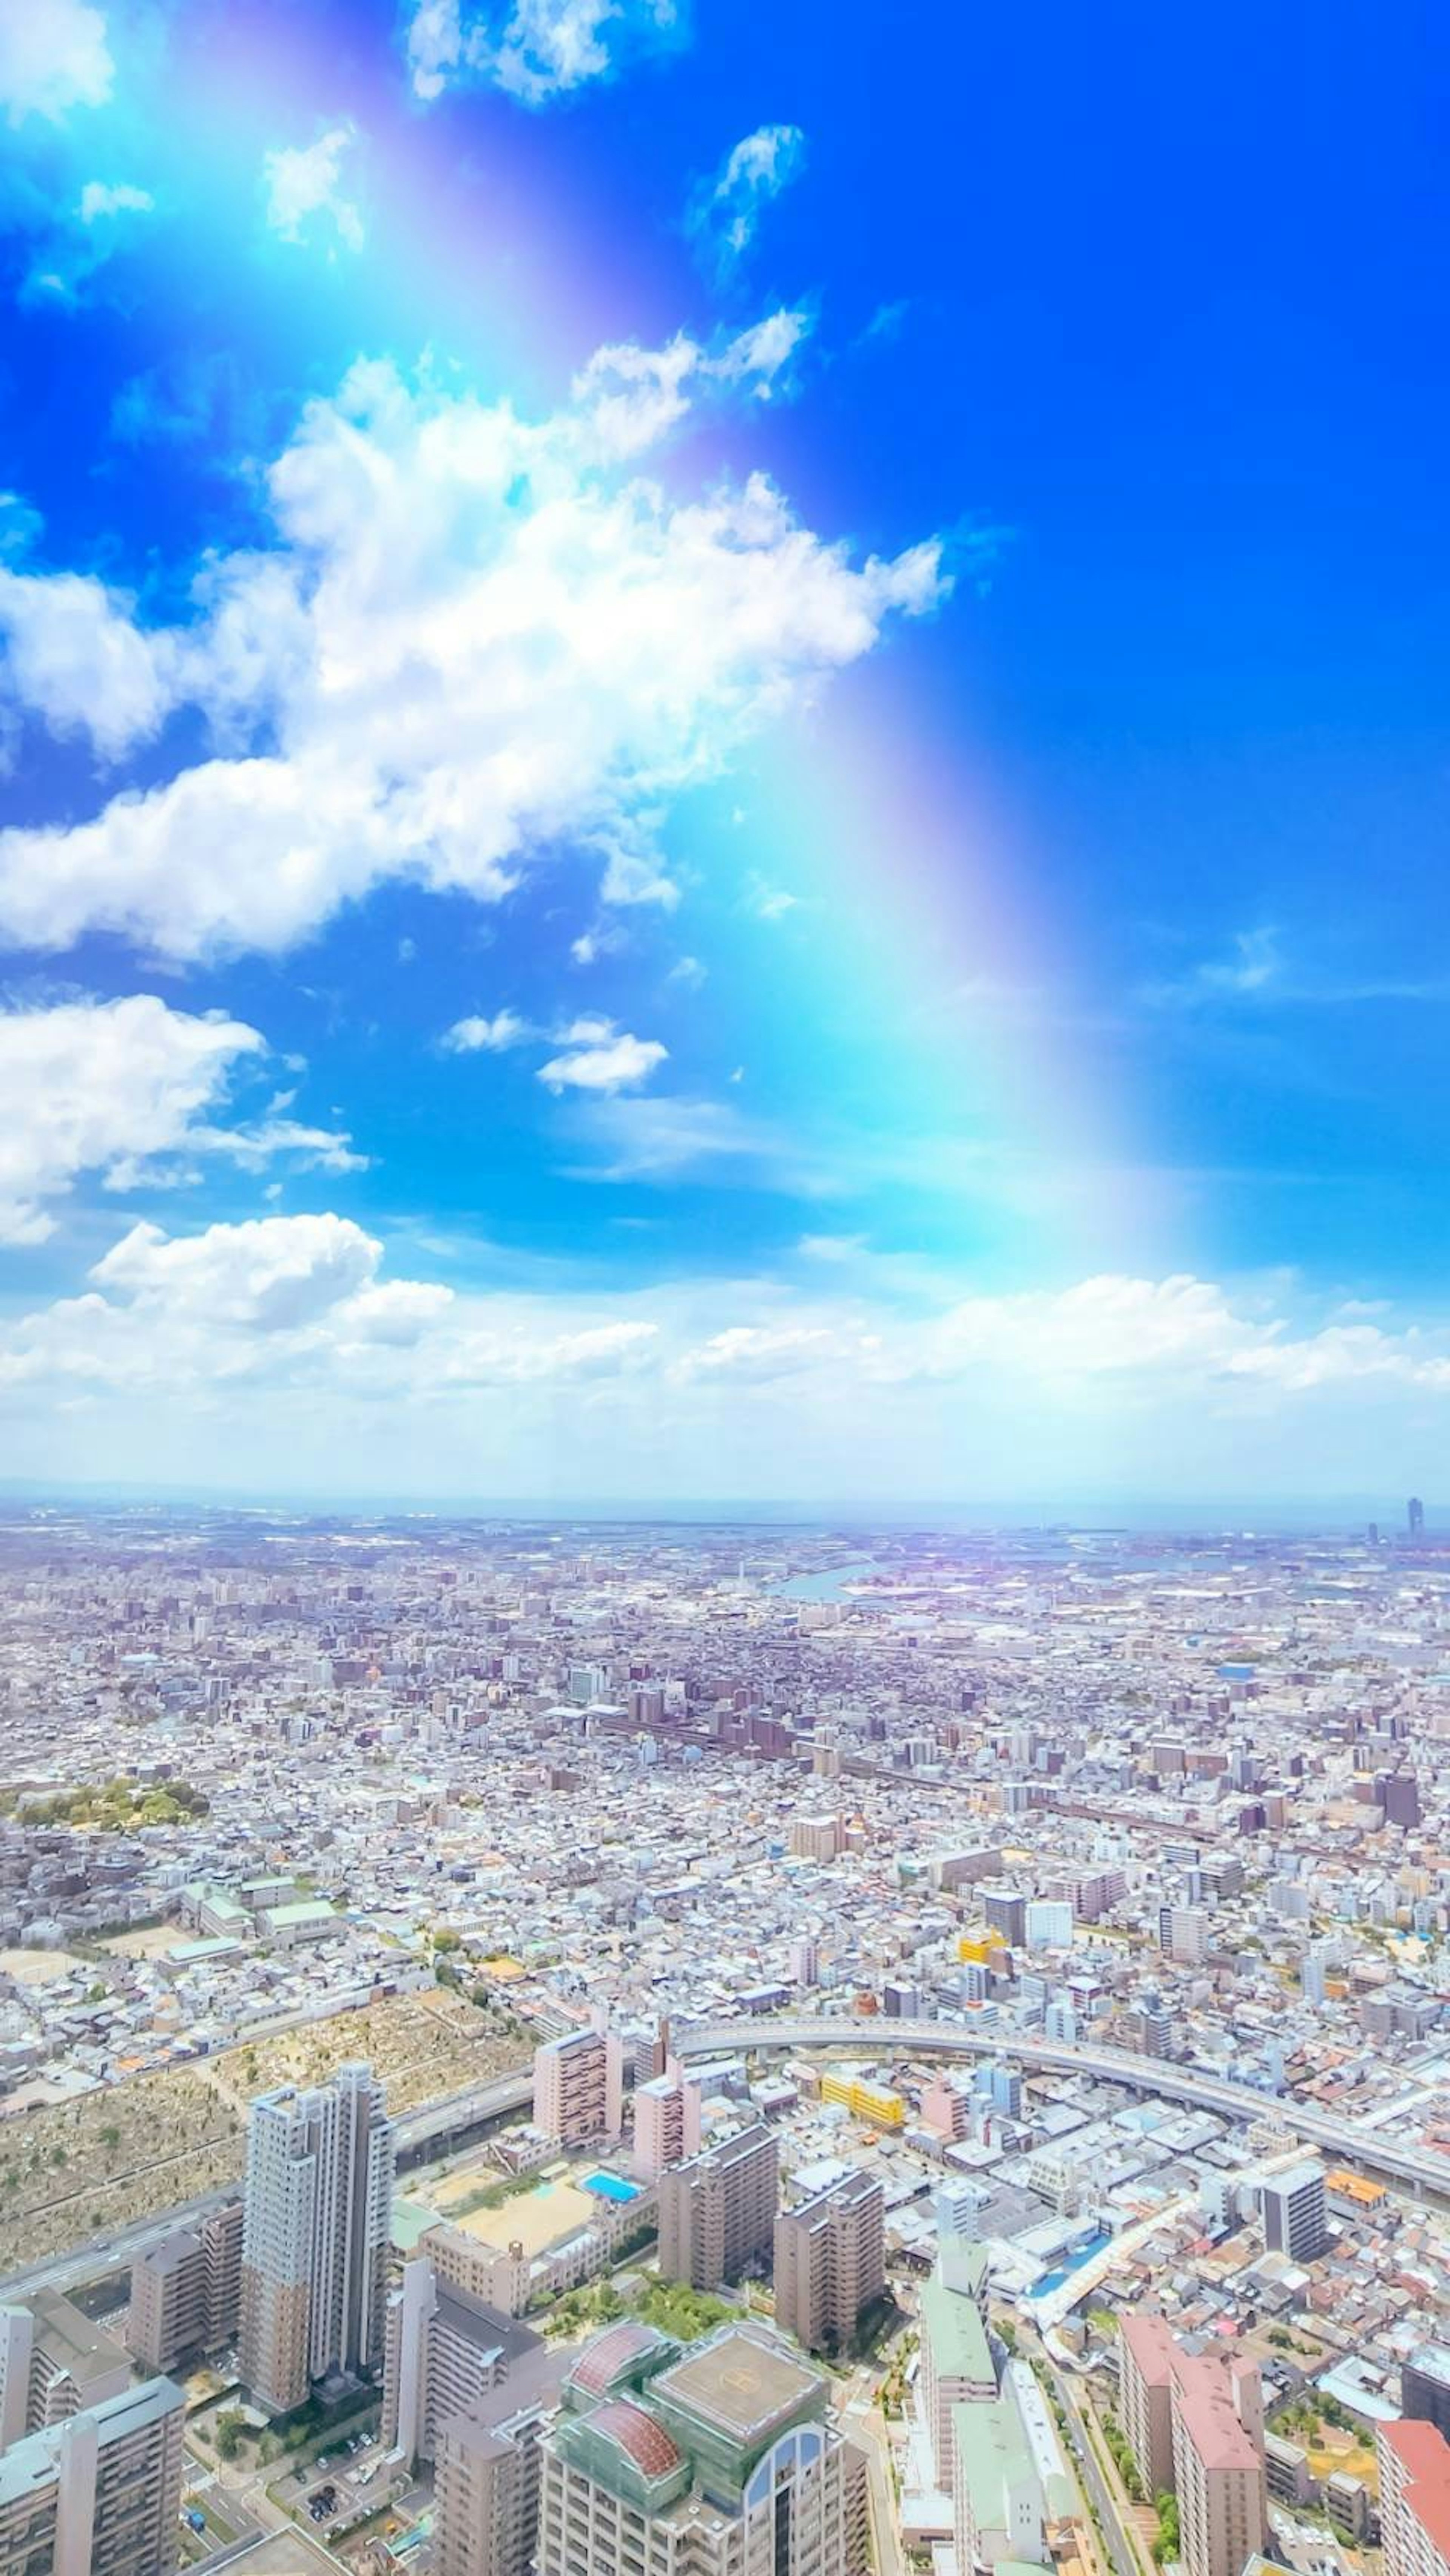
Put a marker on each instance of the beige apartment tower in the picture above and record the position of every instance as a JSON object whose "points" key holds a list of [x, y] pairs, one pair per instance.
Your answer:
{"points": [[1218, 2465], [486, 2476], [316, 2236], [444, 2353], [830, 2261], [666, 2123], [1147, 2353], [717, 2212], [579, 2087], [186, 2292]]}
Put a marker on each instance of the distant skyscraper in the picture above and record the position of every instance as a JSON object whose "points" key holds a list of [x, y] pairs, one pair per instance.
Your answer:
{"points": [[1415, 1516], [1425, 2386], [316, 2235]]}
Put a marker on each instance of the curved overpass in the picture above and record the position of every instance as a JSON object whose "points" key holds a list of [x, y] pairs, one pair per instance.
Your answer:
{"points": [[1421, 2168]]}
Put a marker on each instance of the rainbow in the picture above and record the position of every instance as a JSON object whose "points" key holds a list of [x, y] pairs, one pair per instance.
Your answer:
{"points": [[926, 957]]}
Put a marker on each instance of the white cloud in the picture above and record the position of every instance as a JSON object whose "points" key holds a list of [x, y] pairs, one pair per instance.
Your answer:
{"points": [[1253, 967], [75, 655], [725, 213], [286, 1331], [602, 1059], [536, 50], [473, 636], [53, 57], [304, 185], [120, 1089], [98, 202], [492, 1037]]}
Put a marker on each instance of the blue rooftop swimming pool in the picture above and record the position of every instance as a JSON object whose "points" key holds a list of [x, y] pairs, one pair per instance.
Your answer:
{"points": [[1071, 2263], [609, 2186]]}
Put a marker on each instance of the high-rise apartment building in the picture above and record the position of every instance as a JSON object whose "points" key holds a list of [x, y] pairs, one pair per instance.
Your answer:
{"points": [[486, 2474], [443, 2352], [316, 2235], [1196, 2430], [717, 2212], [54, 2363], [1295, 2219], [1195, 2426], [186, 2292], [666, 2123], [100, 2493], [1415, 1517], [1218, 2465], [579, 2087], [957, 2364], [719, 2460], [1414, 2482], [830, 2260], [1147, 2352]]}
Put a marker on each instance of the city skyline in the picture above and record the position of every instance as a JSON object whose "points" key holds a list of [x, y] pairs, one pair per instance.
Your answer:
{"points": [[706, 799]]}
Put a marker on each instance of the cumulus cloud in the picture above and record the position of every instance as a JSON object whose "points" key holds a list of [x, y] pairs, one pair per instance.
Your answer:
{"points": [[491, 1037], [602, 1058], [75, 654], [119, 1089], [304, 191], [535, 50], [473, 636], [281, 1321], [725, 212], [53, 57]]}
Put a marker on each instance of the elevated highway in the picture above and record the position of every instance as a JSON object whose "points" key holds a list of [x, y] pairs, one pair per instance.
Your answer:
{"points": [[1421, 2169]]}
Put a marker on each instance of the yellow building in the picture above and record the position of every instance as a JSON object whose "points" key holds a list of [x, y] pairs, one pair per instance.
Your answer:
{"points": [[981, 1945], [875, 2103]]}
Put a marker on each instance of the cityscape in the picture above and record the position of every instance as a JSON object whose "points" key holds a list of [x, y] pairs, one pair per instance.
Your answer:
{"points": [[724, 1339], [539, 2048]]}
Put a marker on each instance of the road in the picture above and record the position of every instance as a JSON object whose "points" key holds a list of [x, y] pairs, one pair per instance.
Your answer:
{"points": [[1421, 2168], [863, 2422], [1119, 2543], [416, 2130]]}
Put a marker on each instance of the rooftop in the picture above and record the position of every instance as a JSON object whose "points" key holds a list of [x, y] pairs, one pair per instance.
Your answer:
{"points": [[742, 2381]]}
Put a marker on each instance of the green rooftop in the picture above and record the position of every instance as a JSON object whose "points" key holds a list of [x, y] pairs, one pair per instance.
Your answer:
{"points": [[952, 2324]]}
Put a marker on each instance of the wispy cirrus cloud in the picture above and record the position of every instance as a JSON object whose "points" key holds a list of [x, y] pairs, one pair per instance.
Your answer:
{"points": [[725, 211], [1256, 971]]}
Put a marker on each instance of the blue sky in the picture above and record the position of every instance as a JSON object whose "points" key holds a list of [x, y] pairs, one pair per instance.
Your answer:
{"points": [[724, 765]]}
